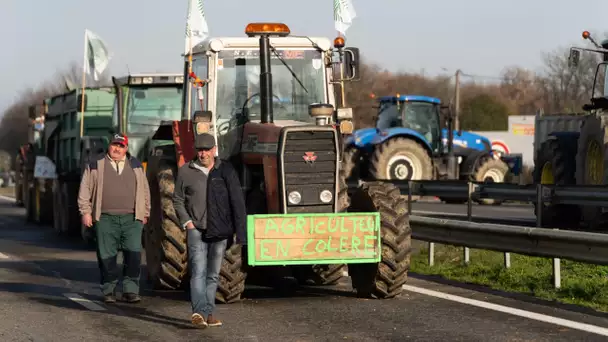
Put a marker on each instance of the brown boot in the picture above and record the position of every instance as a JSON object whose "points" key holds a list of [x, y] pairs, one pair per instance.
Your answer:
{"points": [[198, 321], [213, 322]]}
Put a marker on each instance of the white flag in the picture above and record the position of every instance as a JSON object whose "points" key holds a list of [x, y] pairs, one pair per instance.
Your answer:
{"points": [[196, 25], [344, 13], [97, 56]]}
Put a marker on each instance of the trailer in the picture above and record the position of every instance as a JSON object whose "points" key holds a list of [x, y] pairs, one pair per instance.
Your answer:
{"points": [[572, 149], [60, 144]]}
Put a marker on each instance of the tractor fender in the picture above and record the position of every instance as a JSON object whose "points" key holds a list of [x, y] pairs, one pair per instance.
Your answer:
{"points": [[390, 133], [361, 138]]}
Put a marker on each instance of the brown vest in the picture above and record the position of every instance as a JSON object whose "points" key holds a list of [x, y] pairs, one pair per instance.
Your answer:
{"points": [[118, 194]]}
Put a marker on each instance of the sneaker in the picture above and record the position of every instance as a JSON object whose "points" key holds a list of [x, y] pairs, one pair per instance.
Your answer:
{"points": [[131, 297], [109, 298], [198, 321], [213, 322]]}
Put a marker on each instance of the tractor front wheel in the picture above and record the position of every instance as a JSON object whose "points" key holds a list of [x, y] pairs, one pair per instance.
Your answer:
{"points": [[402, 159], [490, 170], [386, 278]]}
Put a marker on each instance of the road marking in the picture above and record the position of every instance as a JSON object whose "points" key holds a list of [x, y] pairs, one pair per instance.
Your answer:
{"points": [[84, 302], [517, 312], [6, 198], [4, 256]]}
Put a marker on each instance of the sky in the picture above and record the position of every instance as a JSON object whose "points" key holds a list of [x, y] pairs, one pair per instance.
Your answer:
{"points": [[480, 37]]}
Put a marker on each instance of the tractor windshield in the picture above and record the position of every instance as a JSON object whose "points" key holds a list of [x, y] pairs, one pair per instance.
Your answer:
{"points": [[422, 117], [238, 84], [147, 106], [389, 116], [601, 80]]}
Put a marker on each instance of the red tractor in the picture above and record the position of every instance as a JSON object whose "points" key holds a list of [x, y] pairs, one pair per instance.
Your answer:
{"points": [[282, 133]]}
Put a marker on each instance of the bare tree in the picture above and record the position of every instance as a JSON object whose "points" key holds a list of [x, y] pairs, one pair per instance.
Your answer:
{"points": [[15, 119]]}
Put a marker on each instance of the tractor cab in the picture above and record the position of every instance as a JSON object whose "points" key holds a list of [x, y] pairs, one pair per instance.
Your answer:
{"points": [[142, 103], [228, 89], [418, 113], [599, 92]]}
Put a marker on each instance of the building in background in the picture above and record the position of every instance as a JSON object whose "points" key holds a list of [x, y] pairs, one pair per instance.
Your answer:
{"points": [[518, 139]]}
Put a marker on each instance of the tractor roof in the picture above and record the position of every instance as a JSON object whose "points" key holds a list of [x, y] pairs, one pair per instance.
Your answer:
{"points": [[409, 98], [151, 78], [220, 43]]}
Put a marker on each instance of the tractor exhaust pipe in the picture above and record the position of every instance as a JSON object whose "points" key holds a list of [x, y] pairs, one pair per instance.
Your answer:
{"points": [[451, 162], [120, 103], [265, 80]]}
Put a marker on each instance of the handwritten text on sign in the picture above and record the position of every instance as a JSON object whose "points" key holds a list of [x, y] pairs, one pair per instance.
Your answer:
{"points": [[315, 237]]}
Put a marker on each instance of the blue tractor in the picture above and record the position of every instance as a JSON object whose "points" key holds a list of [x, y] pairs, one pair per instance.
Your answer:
{"points": [[414, 139]]}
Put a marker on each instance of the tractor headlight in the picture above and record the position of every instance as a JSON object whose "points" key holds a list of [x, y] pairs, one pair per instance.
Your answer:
{"points": [[294, 197], [325, 196]]}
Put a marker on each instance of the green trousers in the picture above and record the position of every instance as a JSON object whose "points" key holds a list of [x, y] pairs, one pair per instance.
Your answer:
{"points": [[119, 233]]}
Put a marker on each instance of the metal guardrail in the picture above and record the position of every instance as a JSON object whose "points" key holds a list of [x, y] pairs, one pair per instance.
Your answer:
{"points": [[541, 242], [592, 195]]}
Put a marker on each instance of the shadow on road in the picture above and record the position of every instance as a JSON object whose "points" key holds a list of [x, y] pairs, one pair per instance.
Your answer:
{"points": [[86, 272], [72, 270], [121, 310]]}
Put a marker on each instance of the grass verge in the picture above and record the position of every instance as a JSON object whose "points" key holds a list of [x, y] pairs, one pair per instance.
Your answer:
{"points": [[581, 284]]}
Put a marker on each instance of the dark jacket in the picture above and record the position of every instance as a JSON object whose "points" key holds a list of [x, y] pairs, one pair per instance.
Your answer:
{"points": [[219, 209]]}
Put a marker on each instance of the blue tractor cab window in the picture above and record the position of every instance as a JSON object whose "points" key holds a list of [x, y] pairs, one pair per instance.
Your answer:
{"points": [[419, 113]]}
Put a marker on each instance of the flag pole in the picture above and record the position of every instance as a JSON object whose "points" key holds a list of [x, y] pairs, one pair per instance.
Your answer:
{"points": [[84, 75], [189, 72]]}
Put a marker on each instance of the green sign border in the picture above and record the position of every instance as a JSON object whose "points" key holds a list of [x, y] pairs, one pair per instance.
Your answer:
{"points": [[251, 241]]}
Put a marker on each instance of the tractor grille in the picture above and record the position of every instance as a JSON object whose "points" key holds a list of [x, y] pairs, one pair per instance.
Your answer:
{"points": [[312, 177]]}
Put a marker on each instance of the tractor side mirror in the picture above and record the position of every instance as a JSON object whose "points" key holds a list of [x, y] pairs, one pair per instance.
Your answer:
{"points": [[351, 63], [574, 58]]}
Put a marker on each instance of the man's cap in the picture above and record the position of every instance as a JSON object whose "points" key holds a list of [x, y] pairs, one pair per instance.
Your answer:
{"points": [[120, 139], [204, 141]]}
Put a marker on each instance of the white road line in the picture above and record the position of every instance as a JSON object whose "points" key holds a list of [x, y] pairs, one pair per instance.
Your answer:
{"points": [[4, 256], [6, 198], [517, 312], [84, 302]]}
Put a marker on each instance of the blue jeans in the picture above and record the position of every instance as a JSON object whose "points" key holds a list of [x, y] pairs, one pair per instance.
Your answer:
{"points": [[205, 260]]}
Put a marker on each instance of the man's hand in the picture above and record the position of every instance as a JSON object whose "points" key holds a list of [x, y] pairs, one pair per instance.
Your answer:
{"points": [[87, 220], [189, 225], [145, 220]]}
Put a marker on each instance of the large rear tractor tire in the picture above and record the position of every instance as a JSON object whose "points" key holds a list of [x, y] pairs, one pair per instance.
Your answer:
{"points": [[231, 284], [592, 164], [326, 274], [490, 170], [555, 165], [166, 252], [401, 159], [386, 278], [350, 163]]}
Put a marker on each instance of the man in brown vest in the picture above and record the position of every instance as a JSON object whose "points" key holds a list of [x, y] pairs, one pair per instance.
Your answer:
{"points": [[115, 196]]}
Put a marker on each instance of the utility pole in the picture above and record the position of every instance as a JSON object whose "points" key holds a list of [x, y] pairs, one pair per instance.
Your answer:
{"points": [[457, 101]]}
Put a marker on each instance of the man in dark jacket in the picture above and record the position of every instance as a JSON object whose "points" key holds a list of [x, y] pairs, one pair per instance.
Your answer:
{"points": [[210, 206]]}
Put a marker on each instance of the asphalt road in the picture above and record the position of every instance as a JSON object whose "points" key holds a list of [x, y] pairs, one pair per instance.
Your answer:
{"points": [[49, 292]]}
